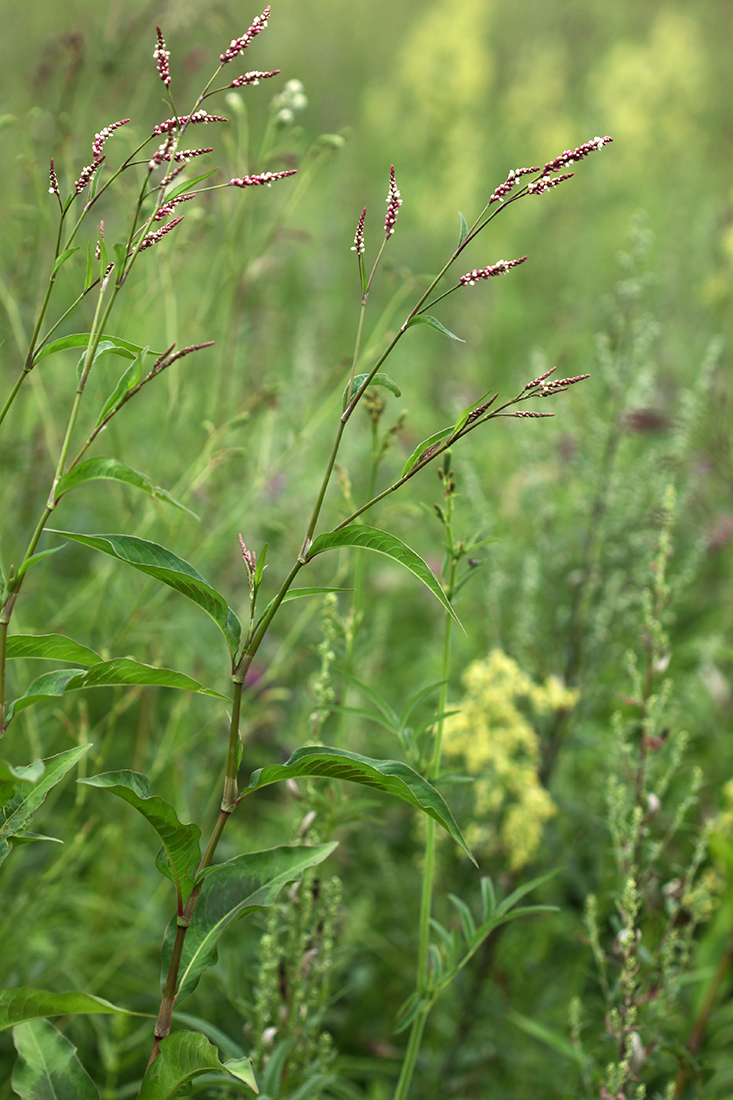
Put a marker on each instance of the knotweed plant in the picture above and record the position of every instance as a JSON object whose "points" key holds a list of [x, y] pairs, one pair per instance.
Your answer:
{"points": [[206, 895]]}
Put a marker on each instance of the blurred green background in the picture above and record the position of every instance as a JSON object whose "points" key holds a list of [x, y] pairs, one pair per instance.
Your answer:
{"points": [[638, 245]]}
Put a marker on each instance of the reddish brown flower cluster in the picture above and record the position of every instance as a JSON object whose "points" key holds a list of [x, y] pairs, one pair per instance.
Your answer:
{"points": [[183, 156], [161, 55], [53, 181], [249, 558], [252, 78], [559, 384], [101, 137], [530, 414], [237, 45], [267, 178], [499, 268], [358, 246], [86, 175], [158, 234], [168, 207], [505, 188], [572, 156], [167, 358], [544, 183], [476, 413], [394, 202], [197, 117]]}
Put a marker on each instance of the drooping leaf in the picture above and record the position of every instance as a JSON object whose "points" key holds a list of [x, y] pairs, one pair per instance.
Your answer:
{"points": [[81, 340], [50, 647], [167, 567], [24, 566], [180, 842], [119, 671], [29, 798], [185, 1055], [436, 437], [391, 776], [47, 1067], [379, 379], [464, 229], [109, 469], [433, 322], [381, 542], [62, 258], [229, 891], [17, 1005], [126, 382]]}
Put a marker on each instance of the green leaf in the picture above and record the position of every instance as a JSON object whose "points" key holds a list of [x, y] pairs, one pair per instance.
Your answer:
{"points": [[371, 538], [392, 776], [426, 319], [187, 185], [126, 382], [464, 229], [35, 558], [298, 593], [11, 776], [62, 258], [50, 647], [260, 567], [181, 842], [555, 1040], [421, 448], [379, 379], [185, 1055], [17, 1005], [114, 673], [47, 1066], [109, 469], [462, 419], [81, 340], [229, 891], [24, 805], [167, 567]]}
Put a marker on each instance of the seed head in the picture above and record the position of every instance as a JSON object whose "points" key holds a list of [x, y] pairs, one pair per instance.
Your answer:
{"points": [[557, 385], [544, 183], [168, 356], [101, 137], [572, 156], [53, 181], [394, 202], [499, 268], [252, 78], [358, 246], [528, 414], [237, 45], [158, 234], [161, 55], [261, 178]]}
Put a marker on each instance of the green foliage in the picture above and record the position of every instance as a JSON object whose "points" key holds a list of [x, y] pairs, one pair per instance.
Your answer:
{"points": [[184, 1056], [47, 1066]]}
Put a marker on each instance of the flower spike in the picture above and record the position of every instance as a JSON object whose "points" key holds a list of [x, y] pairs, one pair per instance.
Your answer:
{"points": [[153, 238], [499, 268], [53, 181], [261, 178], [101, 137], [358, 246], [252, 78], [394, 202], [161, 55], [237, 45]]}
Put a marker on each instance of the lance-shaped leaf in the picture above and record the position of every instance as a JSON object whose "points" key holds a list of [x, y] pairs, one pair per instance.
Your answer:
{"points": [[17, 1005], [33, 559], [114, 673], [464, 228], [81, 340], [391, 776], [381, 542], [433, 322], [431, 441], [11, 775], [109, 469], [181, 842], [62, 258], [379, 379], [185, 1055], [126, 382], [50, 647], [165, 566], [21, 809], [229, 891], [47, 1067]]}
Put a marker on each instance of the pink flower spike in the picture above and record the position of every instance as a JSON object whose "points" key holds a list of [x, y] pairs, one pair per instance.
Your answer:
{"points": [[249, 558], [237, 45], [168, 207], [394, 202], [544, 183], [261, 178], [358, 246], [252, 78], [103, 135], [572, 156], [53, 181], [86, 175], [153, 238], [528, 414], [499, 268], [197, 117], [185, 155], [161, 55], [505, 188]]}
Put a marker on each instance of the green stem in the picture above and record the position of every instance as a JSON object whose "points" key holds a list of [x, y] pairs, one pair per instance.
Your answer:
{"points": [[411, 1052]]}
